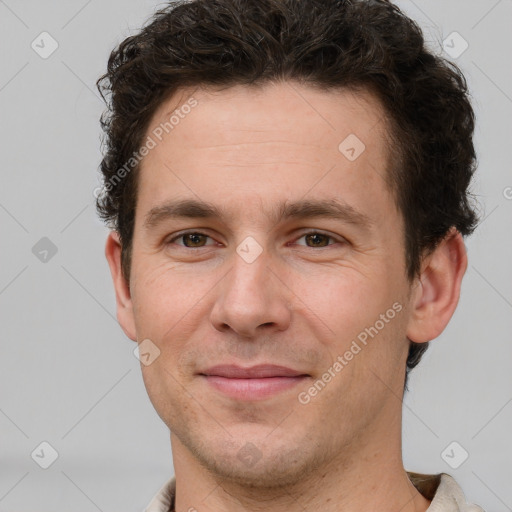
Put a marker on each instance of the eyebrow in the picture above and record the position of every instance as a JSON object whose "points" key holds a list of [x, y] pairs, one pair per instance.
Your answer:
{"points": [[302, 209]]}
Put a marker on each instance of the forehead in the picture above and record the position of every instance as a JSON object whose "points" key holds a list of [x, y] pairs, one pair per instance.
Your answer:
{"points": [[281, 139], [240, 114]]}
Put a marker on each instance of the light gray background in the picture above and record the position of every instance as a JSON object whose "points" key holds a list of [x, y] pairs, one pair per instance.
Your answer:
{"points": [[68, 375]]}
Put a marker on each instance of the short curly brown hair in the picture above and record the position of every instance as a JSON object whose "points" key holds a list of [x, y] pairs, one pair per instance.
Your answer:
{"points": [[329, 44]]}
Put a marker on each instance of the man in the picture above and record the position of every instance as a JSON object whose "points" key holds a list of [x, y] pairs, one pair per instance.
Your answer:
{"points": [[286, 182]]}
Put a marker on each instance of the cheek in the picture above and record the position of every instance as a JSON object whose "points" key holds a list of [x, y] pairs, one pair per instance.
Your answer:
{"points": [[344, 300], [365, 321], [168, 310], [167, 391], [159, 296]]}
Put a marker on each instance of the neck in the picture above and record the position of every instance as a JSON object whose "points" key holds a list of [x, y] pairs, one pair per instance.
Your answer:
{"points": [[373, 478]]}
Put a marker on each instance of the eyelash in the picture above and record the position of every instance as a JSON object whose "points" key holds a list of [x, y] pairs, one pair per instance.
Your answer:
{"points": [[183, 234]]}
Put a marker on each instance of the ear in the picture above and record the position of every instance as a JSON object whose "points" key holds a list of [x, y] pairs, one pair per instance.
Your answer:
{"points": [[436, 295], [123, 297]]}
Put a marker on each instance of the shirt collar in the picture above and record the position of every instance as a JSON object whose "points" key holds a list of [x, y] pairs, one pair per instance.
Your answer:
{"points": [[442, 490]]}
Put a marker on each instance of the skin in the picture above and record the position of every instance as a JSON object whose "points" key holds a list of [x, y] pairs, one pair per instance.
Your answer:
{"points": [[300, 304]]}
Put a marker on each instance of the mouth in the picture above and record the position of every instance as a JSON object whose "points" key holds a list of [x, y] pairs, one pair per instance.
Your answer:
{"points": [[254, 383]]}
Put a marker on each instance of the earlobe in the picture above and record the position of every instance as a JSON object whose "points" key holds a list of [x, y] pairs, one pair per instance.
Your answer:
{"points": [[124, 304], [438, 289]]}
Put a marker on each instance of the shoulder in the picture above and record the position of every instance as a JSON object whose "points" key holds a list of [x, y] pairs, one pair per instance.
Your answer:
{"points": [[163, 501], [444, 493]]}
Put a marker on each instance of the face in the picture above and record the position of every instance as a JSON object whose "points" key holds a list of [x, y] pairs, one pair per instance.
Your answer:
{"points": [[268, 245]]}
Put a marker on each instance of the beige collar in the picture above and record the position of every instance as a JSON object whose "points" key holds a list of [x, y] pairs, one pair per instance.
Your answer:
{"points": [[441, 489]]}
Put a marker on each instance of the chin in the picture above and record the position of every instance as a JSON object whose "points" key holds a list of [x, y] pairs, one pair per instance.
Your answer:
{"points": [[256, 465]]}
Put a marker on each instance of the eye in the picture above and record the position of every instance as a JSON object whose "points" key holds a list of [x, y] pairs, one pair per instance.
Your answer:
{"points": [[317, 239], [197, 240], [191, 240]]}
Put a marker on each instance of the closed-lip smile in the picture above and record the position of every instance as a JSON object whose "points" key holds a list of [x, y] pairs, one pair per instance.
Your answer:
{"points": [[252, 383]]}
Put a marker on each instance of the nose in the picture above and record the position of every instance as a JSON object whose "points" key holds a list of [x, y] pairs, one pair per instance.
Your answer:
{"points": [[251, 299]]}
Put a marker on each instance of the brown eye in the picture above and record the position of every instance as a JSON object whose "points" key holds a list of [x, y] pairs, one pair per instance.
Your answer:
{"points": [[194, 240], [318, 240], [191, 240]]}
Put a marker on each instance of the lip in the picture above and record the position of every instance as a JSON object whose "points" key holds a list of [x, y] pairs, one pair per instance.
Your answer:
{"points": [[254, 383], [260, 371]]}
